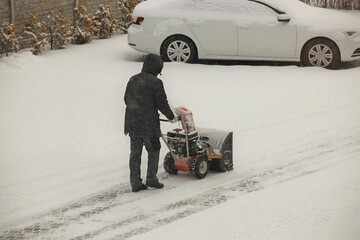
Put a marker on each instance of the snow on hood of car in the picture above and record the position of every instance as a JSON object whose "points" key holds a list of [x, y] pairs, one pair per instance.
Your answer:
{"points": [[196, 11]]}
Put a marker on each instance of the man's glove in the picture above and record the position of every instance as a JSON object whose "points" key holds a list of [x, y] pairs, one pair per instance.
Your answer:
{"points": [[174, 120]]}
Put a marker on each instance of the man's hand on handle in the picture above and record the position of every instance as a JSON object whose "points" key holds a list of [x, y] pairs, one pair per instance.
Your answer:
{"points": [[176, 118]]}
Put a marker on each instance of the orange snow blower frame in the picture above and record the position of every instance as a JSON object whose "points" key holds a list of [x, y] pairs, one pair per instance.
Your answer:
{"points": [[197, 150]]}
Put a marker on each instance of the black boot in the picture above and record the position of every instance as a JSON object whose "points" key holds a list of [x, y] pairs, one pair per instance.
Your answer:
{"points": [[141, 187], [155, 184]]}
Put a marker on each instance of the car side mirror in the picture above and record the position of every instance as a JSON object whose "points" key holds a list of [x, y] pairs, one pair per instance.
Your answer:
{"points": [[284, 18]]}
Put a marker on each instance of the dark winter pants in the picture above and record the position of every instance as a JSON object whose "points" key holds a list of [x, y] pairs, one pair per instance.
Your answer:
{"points": [[152, 146]]}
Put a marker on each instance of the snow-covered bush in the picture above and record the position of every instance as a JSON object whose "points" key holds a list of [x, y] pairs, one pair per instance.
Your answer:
{"points": [[60, 30], [105, 22], [36, 31], [9, 41], [126, 7], [84, 26]]}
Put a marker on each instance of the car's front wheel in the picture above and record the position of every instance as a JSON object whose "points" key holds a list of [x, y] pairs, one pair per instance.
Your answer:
{"points": [[321, 53], [178, 49]]}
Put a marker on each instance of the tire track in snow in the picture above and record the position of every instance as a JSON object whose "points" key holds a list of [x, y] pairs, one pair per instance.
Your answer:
{"points": [[299, 161]]}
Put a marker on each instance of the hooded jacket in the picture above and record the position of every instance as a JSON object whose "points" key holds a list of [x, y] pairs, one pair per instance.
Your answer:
{"points": [[144, 97]]}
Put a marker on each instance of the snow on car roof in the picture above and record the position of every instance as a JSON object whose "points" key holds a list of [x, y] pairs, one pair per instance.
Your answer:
{"points": [[216, 5], [151, 7]]}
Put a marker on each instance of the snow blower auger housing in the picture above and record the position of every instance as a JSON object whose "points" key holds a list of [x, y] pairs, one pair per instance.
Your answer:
{"points": [[197, 150]]}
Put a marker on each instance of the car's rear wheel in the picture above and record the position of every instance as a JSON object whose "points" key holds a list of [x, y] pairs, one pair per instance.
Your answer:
{"points": [[178, 49], [321, 53]]}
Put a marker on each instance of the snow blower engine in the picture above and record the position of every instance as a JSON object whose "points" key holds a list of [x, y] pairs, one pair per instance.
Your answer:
{"points": [[197, 150]]}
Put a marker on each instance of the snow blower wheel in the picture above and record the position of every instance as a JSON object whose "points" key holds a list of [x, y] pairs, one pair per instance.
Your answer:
{"points": [[169, 165], [200, 167]]}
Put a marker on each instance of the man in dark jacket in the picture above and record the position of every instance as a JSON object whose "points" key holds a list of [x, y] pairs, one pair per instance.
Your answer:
{"points": [[144, 96]]}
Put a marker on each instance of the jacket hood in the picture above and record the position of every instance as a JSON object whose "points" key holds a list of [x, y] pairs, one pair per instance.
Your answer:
{"points": [[153, 64]]}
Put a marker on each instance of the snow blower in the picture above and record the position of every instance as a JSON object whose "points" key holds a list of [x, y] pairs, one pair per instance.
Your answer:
{"points": [[197, 150]]}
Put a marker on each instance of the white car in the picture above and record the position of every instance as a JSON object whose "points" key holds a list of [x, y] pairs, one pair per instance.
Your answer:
{"points": [[276, 30]]}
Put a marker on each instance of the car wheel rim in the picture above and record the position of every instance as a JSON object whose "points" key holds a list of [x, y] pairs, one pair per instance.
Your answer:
{"points": [[178, 51], [320, 55], [203, 167]]}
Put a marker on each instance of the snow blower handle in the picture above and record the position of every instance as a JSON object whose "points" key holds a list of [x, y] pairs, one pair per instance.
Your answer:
{"points": [[166, 120]]}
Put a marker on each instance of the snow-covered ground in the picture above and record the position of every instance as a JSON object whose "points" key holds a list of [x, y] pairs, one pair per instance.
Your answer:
{"points": [[64, 158]]}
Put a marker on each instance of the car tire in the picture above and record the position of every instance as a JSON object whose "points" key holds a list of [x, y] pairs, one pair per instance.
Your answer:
{"points": [[321, 53], [178, 49]]}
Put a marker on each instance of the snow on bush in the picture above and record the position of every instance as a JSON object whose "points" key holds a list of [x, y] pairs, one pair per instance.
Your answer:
{"points": [[105, 22], [126, 7], [36, 31], [84, 25], [60, 30], [9, 42]]}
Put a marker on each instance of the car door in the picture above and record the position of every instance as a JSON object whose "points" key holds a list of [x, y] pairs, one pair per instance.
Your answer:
{"points": [[212, 23], [216, 37], [260, 34]]}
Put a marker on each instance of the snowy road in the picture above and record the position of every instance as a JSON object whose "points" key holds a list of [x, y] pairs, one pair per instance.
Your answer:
{"points": [[64, 172], [116, 213]]}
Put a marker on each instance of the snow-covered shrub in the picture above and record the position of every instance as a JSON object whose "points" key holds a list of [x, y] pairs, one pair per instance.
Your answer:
{"points": [[36, 31], [84, 25], [60, 30], [9, 41], [105, 22], [126, 7]]}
